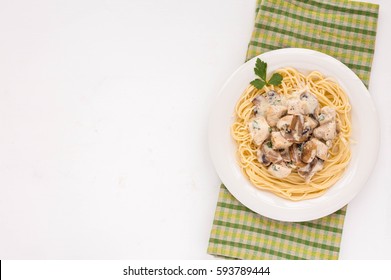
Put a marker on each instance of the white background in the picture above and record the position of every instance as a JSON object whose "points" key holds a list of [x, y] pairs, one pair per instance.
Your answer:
{"points": [[104, 109], [114, 270]]}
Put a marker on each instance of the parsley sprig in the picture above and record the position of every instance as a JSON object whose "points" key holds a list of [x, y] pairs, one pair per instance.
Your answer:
{"points": [[261, 70]]}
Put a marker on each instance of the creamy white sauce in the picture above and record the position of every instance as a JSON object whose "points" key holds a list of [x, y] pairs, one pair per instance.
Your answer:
{"points": [[286, 120]]}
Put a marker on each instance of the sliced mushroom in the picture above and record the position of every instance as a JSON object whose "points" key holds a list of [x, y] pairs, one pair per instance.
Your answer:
{"points": [[310, 122], [308, 126], [327, 131], [309, 152], [327, 114], [279, 170], [274, 113], [259, 129], [262, 158], [316, 113], [292, 128], [295, 154], [284, 122], [305, 133], [299, 132], [316, 166], [267, 155], [308, 171], [279, 141], [294, 123], [285, 155], [309, 103], [321, 148]]}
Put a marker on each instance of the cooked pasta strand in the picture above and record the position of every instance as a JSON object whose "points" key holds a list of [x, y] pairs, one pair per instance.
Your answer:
{"points": [[294, 187]]}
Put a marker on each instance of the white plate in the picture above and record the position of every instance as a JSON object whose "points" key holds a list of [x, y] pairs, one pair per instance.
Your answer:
{"points": [[365, 130]]}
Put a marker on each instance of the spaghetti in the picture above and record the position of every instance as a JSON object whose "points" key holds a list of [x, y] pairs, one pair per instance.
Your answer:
{"points": [[294, 187]]}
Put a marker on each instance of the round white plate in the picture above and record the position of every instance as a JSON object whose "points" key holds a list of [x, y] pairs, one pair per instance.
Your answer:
{"points": [[365, 133]]}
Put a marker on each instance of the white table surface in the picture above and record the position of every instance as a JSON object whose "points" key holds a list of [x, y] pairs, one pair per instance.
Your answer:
{"points": [[104, 108]]}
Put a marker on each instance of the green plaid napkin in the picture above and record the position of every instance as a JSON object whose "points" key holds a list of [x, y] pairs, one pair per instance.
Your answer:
{"points": [[345, 30]]}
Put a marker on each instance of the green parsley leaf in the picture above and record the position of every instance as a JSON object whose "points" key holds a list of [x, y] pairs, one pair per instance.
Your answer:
{"points": [[275, 79], [260, 69], [258, 83]]}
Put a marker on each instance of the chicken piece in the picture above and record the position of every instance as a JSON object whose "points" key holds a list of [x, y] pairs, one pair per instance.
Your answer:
{"points": [[304, 104], [274, 113], [279, 170], [273, 98], [295, 106], [309, 103], [259, 99], [308, 171], [263, 102], [259, 130], [327, 131], [309, 152], [279, 142], [321, 148], [267, 155], [327, 114], [261, 105]]}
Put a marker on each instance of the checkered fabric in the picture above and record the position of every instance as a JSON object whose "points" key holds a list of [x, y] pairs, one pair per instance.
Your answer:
{"points": [[345, 30]]}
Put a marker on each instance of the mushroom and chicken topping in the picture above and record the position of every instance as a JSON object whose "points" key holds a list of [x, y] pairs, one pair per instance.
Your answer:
{"points": [[292, 133]]}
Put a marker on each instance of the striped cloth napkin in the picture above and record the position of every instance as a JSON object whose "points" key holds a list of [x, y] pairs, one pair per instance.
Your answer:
{"points": [[345, 30]]}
